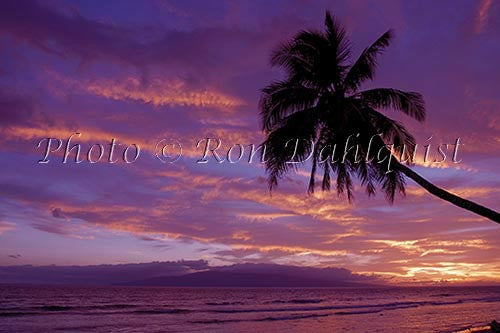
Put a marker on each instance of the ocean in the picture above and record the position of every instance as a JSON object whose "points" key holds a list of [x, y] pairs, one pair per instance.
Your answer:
{"points": [[164, 309]]}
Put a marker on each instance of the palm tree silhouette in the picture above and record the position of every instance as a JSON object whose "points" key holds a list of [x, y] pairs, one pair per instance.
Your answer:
{"points": [[319, 101]]}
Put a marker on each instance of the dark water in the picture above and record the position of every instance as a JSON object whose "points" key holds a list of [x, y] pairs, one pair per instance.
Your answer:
{"points": [[157, 309]]}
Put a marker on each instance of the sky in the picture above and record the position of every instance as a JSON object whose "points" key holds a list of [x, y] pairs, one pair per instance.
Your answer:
{"points": [[184, 71]]}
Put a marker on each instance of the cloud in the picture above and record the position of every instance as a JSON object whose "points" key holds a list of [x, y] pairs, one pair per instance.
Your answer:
{"points": [[192, 51], [14, 108], [172, 203], [455, 271], [6, 226], [482, 15], [54, 32], [158, 92], [424, 247], [57, 213]]}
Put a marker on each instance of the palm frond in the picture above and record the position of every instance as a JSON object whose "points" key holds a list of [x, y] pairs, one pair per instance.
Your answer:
{"points": [[314, 58], [344, 182], [364, 68], [336, 35], [393, 133], [393, 183], [410, 103], [282, 98], [300, 125], [300, 57]]}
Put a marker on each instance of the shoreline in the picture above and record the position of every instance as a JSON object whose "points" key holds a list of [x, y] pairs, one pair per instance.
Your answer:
{"points": [[493, 327]]}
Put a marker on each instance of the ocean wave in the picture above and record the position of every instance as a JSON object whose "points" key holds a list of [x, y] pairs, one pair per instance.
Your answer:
{"points": [[277, 318], [59, 308], [224, 303], [384, 306], [345, 313], [294, 317], [110, 306], [83, 310], [16, 314], [55, 308], [308, 306], [321, 311], [160, 311], [485, 299], [442, 295], [377, 310], [296, 301]]}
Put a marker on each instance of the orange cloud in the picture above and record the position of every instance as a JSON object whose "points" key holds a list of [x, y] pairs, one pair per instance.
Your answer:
{"points": [[290, 249], [263, 217], [319, 205], [467, 192], [482, 15], [158, 92], [454, 271], [425, 247], [6, 226], [91, 135]]}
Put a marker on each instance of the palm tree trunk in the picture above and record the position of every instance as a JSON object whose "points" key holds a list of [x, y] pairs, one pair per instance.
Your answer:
{"points": [[445, 195]]}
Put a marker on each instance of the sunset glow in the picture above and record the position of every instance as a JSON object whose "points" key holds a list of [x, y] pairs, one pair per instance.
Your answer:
{"points": [[183, 72]]}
